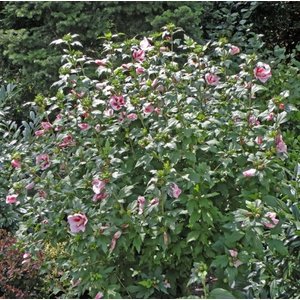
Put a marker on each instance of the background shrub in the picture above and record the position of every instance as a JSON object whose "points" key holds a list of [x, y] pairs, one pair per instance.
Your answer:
{"points": [[18, 276]]}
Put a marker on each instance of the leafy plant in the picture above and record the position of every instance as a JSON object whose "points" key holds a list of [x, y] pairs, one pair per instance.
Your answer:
{"points": [[157, 165]]}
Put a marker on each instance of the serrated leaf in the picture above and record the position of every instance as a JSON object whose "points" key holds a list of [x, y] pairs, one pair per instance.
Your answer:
{"points": [[220, 293], [278, 246], [221, 261], [193, 236]]}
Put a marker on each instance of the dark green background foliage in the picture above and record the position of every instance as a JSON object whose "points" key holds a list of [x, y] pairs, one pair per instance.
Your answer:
{"points": [[27, 28]]}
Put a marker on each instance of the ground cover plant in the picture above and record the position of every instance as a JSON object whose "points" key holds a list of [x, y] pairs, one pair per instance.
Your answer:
{"points": [[159, 170]]}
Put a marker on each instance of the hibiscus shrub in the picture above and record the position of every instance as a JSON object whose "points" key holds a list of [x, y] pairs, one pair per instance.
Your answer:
{"points": [[160, 166]]}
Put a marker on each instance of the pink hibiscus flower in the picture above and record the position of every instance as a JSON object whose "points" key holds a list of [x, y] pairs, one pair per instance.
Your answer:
{"points": [[77, 222], [273, 221], [15, 163], [138, 55], [212, 79], [98, 185], [234, 50], [46, 126], [262, 72], [84, 126], [67, 141], [11, 199], [43, 161], [175, 191], [117, 102]]}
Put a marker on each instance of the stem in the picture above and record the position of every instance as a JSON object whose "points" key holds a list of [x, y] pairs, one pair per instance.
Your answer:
{"points": [[124, 287]]}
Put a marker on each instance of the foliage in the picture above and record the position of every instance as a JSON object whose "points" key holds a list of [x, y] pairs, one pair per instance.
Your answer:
{"points": [[279, 22], [27, 28], [8, 130], [160, 170]]}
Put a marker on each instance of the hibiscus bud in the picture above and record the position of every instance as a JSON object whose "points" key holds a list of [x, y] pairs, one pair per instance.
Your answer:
{"points": [[30, 186], [154, 83], [160, 88], [154, 202], [132, 116], [249, 173], [58, 117], [166, 238], [112, 245], [270, 116], [233, 253], [100, 62], [126, 66], [141, 204], [46, 126], [124, 226], [167, 284], [100, 197], [26, 255], [39, 132], [108, 113], [43, 161], [99, 295], [163, 49], [15, 163], [117, 235], [234, 50], [98, 127], [75, 282], [98, 186], [259, 140], [85, 115], [139, 70], [157, 110], [281, 146], [42, 194], [84, 126]]}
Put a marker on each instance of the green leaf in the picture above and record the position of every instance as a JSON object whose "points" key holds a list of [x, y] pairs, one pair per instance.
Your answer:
{"points": [[270, 200], [219, 293], [146, 283], [221, 261], [278, 246], [281, 118], [255, 88], [274, 289], [193, 236], [230, 239], [137, 242], [126, 191]]}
